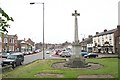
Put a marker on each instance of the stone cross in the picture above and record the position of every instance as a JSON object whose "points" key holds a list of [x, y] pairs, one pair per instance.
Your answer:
{"points": [[76, 26], [76, 61], [76, 45]]}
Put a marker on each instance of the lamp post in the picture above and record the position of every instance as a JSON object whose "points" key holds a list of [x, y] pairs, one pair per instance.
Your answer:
{"points": [[43, 25]]}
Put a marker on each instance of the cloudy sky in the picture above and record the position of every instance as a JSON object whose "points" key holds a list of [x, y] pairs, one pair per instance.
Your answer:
{"points": [[95, 16]]}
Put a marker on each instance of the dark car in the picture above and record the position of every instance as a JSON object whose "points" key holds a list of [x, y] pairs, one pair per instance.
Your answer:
{"points": [[14, 59], [83, 53], [91, 55]]}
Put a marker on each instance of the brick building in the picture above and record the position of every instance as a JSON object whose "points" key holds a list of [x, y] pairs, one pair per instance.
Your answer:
{"points": [[26, 45], [117, 40], [9, 43]]}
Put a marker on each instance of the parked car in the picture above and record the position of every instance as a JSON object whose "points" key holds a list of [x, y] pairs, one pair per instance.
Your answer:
{"points": [[83, 53], [57, 52], [25, 53], [14, 59], [91, 55], [47, 52], [30, 52], [37, 51], [65, 54], [5, 54], [60, 53]]}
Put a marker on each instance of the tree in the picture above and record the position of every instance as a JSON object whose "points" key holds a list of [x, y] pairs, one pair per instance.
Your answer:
{"points": [[4, 21]]}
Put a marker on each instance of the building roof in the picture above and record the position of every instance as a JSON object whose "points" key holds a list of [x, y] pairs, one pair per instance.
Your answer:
{"points": [[19, 41], [10, 36], [87, 40], [30, 42], [23, 42], [105, 32]]}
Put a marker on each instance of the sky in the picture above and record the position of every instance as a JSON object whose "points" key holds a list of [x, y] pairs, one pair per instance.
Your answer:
{"points": [[95, 16]]}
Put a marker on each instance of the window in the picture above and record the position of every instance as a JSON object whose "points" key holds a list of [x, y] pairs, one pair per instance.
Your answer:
{"points": [[106, 36], [11, 48], [98, 40], [102, 38], [94, 41], [102, 42], [110, 42], [110, 37], [10, 40], [5, 40], [13, 41]]}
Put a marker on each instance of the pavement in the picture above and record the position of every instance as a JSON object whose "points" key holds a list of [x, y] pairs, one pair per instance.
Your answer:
{"points": [[103, 55]]}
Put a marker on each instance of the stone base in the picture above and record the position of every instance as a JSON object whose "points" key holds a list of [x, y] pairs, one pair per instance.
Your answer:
{"points": [[76, 63]]}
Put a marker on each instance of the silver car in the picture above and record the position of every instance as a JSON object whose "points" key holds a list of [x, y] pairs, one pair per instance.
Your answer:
{"points": [[65, 54]]}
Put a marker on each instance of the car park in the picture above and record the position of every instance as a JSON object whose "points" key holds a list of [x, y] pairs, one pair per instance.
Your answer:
{"points": [[14, 59], [91, 55]]}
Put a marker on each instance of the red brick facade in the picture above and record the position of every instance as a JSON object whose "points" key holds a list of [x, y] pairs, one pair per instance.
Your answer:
{"points": [[117, 40], [9, 43]]}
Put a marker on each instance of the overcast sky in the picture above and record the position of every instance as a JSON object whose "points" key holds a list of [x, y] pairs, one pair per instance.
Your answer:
{"points": [[95, 16]]}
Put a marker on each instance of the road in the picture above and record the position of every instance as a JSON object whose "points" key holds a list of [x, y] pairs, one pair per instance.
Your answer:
{"points": [[30, 58], [33, 57]]}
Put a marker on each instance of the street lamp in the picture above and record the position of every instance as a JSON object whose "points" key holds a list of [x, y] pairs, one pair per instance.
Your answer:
{"points": [[43, 25]]}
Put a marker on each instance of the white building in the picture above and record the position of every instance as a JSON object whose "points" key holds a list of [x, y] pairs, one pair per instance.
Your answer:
{"points": [[89, 47], [104, 42], [87, 44]]}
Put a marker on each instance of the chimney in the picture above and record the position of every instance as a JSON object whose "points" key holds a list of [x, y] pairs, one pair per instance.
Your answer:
{"points": [[24, 39], [105, 30], [118, 27], [97, 32], [83, 39]]}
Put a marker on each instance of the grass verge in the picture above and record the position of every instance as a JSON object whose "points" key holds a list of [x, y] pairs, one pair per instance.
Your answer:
{"points": [[44, 66]]}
